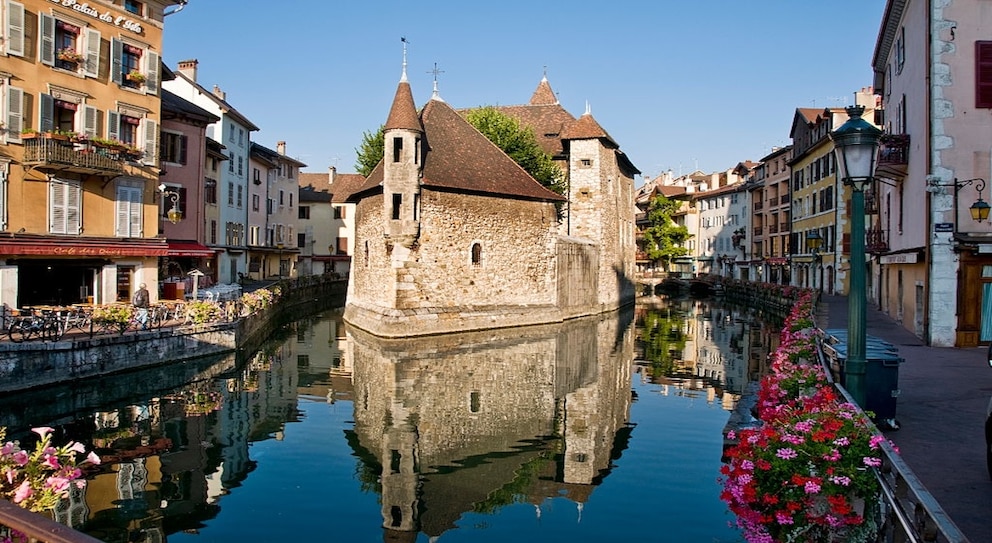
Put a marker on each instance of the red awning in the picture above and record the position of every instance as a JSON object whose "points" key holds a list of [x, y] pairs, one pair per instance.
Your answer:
{"points": [[189, 249]]}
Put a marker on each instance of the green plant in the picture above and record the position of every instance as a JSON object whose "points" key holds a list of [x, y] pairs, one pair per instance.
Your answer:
{"points": [[116, 315], [135, 76], [201, 312]]}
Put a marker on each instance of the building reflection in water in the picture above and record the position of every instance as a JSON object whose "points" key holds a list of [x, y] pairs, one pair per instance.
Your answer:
{"points": [[443, 426], [470, 422]]}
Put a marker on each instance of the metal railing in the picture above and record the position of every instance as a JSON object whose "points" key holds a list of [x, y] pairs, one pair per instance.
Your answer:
{"points": [[39, 528], [910, 513], [82, 156]]}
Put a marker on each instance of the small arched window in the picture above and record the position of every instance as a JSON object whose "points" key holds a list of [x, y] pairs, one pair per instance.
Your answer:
{"points": [[476, 254]]}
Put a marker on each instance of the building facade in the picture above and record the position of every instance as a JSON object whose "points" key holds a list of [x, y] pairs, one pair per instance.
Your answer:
{"points": [[764, 241], [233, 130], [79, 151], [931, 70]]}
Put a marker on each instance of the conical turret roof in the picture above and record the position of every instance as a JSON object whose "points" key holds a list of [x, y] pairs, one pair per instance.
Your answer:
{"points": [[543, 95], [403, 113]]}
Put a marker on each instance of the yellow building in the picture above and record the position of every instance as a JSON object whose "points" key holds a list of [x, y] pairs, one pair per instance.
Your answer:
{"points": [[79, 93]]}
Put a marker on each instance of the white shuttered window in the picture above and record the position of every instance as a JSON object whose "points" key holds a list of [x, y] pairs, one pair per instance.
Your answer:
{"points": [[64, 199], [128, 211]]}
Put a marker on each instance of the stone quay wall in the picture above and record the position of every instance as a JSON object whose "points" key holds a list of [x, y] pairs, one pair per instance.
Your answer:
{"points": [[30, 365]]}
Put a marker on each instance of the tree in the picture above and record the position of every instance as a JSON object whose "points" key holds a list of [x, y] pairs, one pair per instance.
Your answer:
{"points": [[663, 239], [519, 143], [370, 151]]}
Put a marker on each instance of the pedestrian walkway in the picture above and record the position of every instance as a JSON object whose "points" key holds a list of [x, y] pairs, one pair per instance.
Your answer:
{"points": [[944, 393]]}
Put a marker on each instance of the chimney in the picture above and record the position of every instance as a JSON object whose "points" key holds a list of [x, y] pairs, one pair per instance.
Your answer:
{"points": [[331, 172], [219, 93], [281, 148], [188, 68]]}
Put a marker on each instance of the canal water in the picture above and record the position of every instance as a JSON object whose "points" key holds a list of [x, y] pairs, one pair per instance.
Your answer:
{"points": [[601, 429]]}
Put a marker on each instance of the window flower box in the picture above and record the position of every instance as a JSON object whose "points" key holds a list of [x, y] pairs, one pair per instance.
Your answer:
{"points": [[69, 54], [135, 76]]}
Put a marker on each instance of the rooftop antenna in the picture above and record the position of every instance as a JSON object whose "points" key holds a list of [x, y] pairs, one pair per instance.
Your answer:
{"points": [[403, 39], [436, 95]]}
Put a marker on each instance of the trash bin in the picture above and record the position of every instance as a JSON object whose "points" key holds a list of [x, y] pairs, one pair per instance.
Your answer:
{"points": [[881, 379]]}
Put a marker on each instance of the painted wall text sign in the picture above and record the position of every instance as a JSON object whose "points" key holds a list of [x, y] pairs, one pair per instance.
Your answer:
{"points": [[107, 17]]}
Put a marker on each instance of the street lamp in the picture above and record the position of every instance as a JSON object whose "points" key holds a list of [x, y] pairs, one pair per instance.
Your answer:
{"points": [[813, 242], [175, 214], [856, 147], [979, 210]]}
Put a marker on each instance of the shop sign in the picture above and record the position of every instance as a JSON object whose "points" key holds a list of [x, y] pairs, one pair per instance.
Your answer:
{"points": [[943, 227], [86, 9], [46, 249], [905, 258]]}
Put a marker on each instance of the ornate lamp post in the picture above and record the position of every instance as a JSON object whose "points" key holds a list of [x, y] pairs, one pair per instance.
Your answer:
{"points": [[813, 242], [856, 148], [175, 214]]}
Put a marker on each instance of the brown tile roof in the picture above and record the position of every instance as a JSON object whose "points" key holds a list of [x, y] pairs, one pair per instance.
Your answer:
{"points": [[670, 191], [549, 123], [458, 157], [587, 128], [403, 113], [316, 180], [543, 95], [344, 185]]}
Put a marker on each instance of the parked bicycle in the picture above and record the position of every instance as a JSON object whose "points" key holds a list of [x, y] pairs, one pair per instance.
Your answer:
{"points": [[43, 325]]}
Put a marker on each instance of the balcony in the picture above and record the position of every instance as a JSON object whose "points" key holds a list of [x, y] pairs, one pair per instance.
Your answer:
{"points": [[757, 230], [893, 156], [783, 200], [784, 227], [773, 228], [759, 205], [876, 241], [55, 153]]}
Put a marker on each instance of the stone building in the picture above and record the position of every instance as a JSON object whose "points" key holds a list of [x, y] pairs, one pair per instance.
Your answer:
{"points": [[452, 235]]}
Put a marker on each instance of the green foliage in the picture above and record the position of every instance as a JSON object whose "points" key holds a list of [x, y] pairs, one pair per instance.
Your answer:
{"points": [[663, 239], [663, 341], [370, 151], [520, 144]]}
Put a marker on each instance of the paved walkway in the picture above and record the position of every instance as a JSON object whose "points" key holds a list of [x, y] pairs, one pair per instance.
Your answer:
{"points": [[944, 393]]}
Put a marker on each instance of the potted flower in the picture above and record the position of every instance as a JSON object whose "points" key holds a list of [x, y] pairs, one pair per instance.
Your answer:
{"points": [[807, 472], [29, 133], [68, 54], [38, 480], [135, 76], [116, 316]]}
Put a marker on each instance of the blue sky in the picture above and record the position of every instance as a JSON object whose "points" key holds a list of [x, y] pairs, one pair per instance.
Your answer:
{"points": [[679, 85]]}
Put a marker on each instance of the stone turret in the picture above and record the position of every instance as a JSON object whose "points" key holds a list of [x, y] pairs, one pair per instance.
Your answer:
{"points": [[402, 164]]}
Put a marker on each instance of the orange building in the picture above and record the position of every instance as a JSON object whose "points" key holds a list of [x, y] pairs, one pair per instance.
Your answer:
{"points": [[79, 160]]}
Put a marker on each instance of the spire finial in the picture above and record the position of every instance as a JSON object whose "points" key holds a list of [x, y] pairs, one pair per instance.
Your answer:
{"points": [[436, 95], [588, 108], [544, 77], [403, 77]]}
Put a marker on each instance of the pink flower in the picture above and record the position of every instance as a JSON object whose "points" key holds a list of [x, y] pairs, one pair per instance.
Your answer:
{"points": [[23, 492], [872, 462], [21, 458], [786, 453], [811, 487], [51, 461], [92, 458]]}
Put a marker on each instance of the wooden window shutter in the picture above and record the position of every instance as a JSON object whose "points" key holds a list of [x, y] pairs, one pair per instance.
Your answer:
{"points": [[46, 30], [113, 125], [151, 143], [91, 67], [116, 61], [90, 121], [15, 29], [846, 243], [47, 109], [153, 69], [983, 74], [15, 113]]}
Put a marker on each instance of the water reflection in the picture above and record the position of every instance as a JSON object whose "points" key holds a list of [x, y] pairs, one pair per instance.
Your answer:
{"points": [[409, 440], [474, 422]]}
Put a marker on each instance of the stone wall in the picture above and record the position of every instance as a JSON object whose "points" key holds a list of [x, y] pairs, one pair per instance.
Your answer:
{"points": [[435, 287]]}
